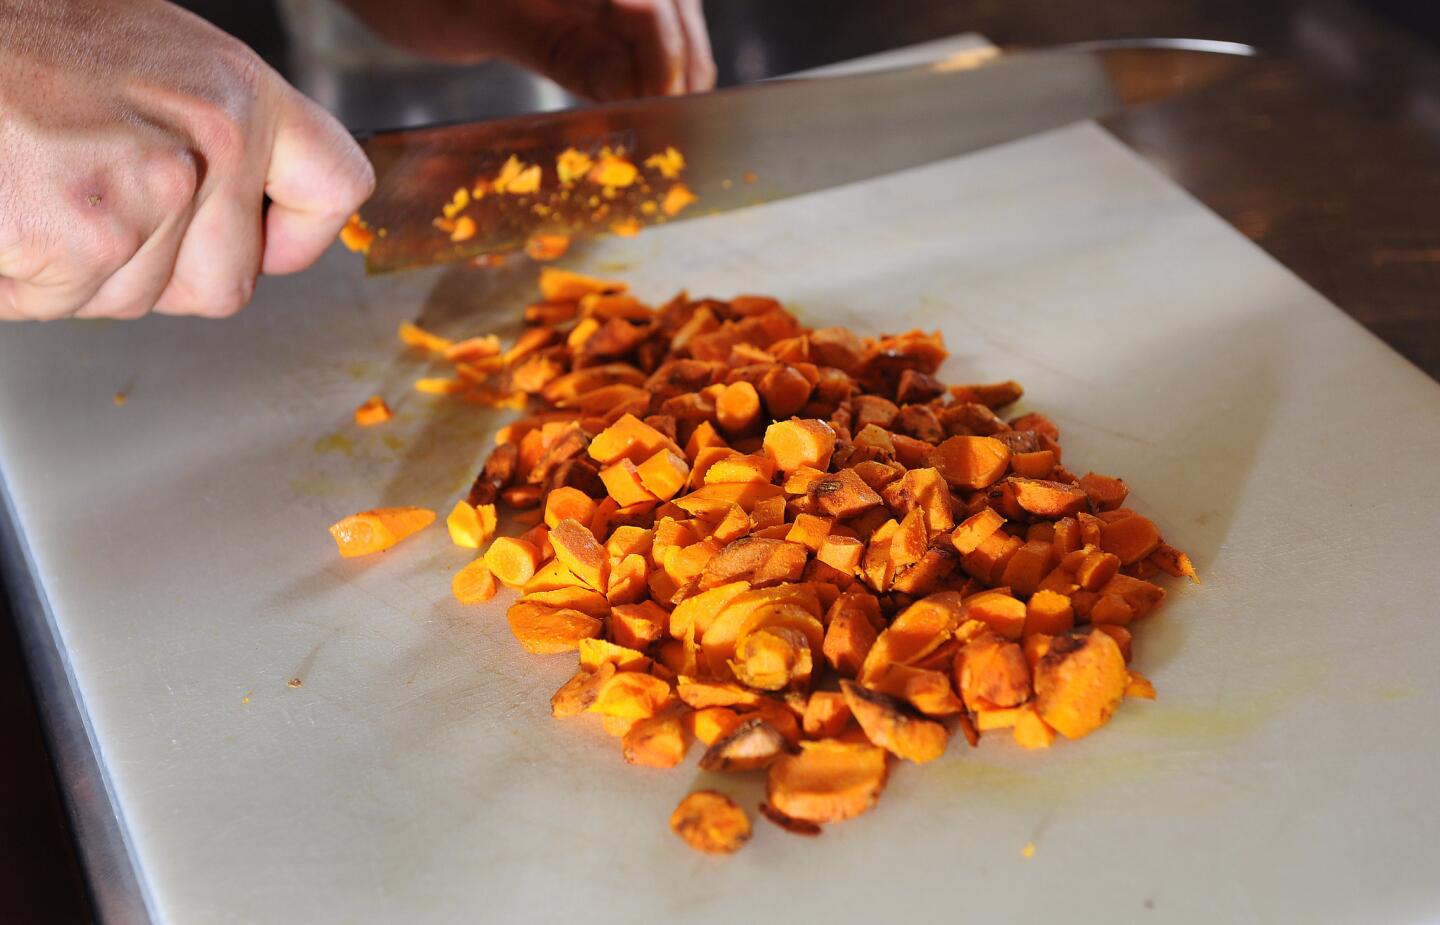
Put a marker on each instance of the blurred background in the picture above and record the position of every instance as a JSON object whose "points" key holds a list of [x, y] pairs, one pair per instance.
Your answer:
{"points": [[1327, 155]]}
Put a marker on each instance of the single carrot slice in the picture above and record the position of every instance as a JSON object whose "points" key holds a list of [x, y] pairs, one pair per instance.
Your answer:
{"points": [[375, 531], [711, 823], [473, 584], [558, 285], [512, 561], [576, 546], [546, 630], [827, 781]]}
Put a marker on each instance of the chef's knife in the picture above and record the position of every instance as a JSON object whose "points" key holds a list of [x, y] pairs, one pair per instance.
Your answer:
{"points": [[756, 143]]}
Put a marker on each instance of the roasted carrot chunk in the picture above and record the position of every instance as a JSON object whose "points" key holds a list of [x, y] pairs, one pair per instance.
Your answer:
{"points": [[797, 443], [656, 742], [373, 411], [378, 530], [1130, 538], [577, 548], [567, 503], [971, 462], [891, 726], [631, 694], [1106, 493], [826, 715], [1079, 682], [976, 529], [512, 561], [473, 584], [711, 823], [558, 285], [545, 630], [711, 724], [827, 781], [991, 671], [1030, 730], [1139, 686], [751, 745], [471, 526]]}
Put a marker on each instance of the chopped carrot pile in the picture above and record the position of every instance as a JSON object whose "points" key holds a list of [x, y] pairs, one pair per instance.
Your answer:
{"points": [[795, 546]]}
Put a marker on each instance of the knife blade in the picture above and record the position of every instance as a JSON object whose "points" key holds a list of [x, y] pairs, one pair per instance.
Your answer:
{"points": [[757, 143]]}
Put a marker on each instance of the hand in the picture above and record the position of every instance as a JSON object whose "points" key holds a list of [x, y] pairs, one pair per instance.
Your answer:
{"points": [[137, 144], [601, 49]]}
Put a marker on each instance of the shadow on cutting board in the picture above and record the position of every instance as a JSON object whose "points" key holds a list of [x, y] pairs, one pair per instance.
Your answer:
{"points": [[1193, 479]]}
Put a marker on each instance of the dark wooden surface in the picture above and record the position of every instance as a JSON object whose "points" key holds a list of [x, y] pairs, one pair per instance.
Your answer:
{"points": [[1327, 155], [40, 879]]}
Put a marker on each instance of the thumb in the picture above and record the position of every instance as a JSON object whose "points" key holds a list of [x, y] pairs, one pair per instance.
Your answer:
{"points": [[317, 178]]}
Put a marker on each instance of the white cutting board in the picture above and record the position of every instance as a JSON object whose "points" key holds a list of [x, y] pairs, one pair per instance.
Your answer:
{"points": [[1285, 774]]}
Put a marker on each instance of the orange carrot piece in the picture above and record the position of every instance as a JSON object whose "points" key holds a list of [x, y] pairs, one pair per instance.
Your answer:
{"points": [[512, 561], [471, 526], [737, 408], [412, 335], [545, 630], [711, 823], [1049, 613], [827, 781], [576, 546], [622, 480], [1079, 682], [971, 462], [1031, 731], [473, 584], [1033, 465], [664, 474], [656, 742], [975, 530], [566, 503], [711, 724], [797, 443], [373, 411], [826, 715], [1106, 493], [1130, 538], [1139, 686], [377, 530], [631, 694], [558, 285]]}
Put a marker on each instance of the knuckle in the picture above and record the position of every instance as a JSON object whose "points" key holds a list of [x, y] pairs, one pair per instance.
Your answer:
{"points": [[245, 69], [353, 179], [173, 177], [219, 132], [99, 247]]}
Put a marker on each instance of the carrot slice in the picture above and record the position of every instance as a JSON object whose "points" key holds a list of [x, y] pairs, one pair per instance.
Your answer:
{"points": [[376, 531]]}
